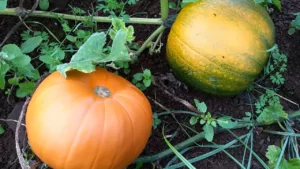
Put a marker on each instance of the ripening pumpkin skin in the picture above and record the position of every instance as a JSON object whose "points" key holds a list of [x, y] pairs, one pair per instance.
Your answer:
{"points": [[219, 46], [70, 127]]}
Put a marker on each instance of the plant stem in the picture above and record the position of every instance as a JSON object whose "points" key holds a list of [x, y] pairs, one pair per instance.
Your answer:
{"points": [[149, 21], [200, 137], [164, 9], [149, 40]]}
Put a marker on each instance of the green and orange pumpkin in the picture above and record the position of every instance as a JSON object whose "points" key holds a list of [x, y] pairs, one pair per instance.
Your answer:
{"points": [[219, 46], [94, 120]]}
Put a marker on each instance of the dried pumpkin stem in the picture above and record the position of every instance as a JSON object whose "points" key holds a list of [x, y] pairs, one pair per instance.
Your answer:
{"points": [[19, 153], [102, 91], [148, 42]]}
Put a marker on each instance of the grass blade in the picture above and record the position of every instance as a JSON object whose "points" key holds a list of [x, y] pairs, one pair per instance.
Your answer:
{"points": [[185, 161], [282, 152], [206, 155]]}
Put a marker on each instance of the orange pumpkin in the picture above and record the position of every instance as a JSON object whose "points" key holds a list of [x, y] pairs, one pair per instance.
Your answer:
{"points": [[94, 120]]}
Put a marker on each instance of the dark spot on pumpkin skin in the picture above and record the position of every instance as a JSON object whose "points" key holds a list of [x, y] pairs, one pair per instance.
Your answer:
{"points": [[223, 57], [215, 14]]}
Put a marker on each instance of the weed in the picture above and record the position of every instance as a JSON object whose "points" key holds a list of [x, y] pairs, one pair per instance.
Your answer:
{"points": [[16, 67], [1, 130], [276, 66], [295, 24], [265, 3], [44, 4], [115, 8], [206, 119], [142, 80]]}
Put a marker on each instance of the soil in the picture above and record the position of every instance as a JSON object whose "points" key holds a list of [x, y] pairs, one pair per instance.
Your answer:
{"points": [[157, 63]]}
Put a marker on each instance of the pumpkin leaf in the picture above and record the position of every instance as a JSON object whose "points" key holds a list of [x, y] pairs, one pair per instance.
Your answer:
{"points": [[119, 50], [119, 24], [91, 53]]}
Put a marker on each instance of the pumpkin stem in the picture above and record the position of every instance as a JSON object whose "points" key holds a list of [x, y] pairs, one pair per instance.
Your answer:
{"points": [[102, 91]]}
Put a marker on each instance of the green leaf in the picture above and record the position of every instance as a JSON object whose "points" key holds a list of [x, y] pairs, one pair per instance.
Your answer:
{"points": [[132, 2], [277, 3], [226, 123], [119, 50], [30, 44], [139, 165], [21, 61], [4, 68], [71, 38], [147, 73], [25, 89], [213, 123], [138, 76], [193, 120], [46, 59], [259, 1], [3, 4], [294, 163], [248, 114], [12, 51], [209, 132], [200, 106], [273, 153], [130, 33], [172, 5], [91, 53], [14, 81], [44, 5], [1, 130], [271, 114], [147, 82], [29, 71], [202, 121], [118, 24]]}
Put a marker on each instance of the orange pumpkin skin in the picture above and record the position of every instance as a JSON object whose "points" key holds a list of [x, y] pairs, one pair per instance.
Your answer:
{"points": [[70, 127]]}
